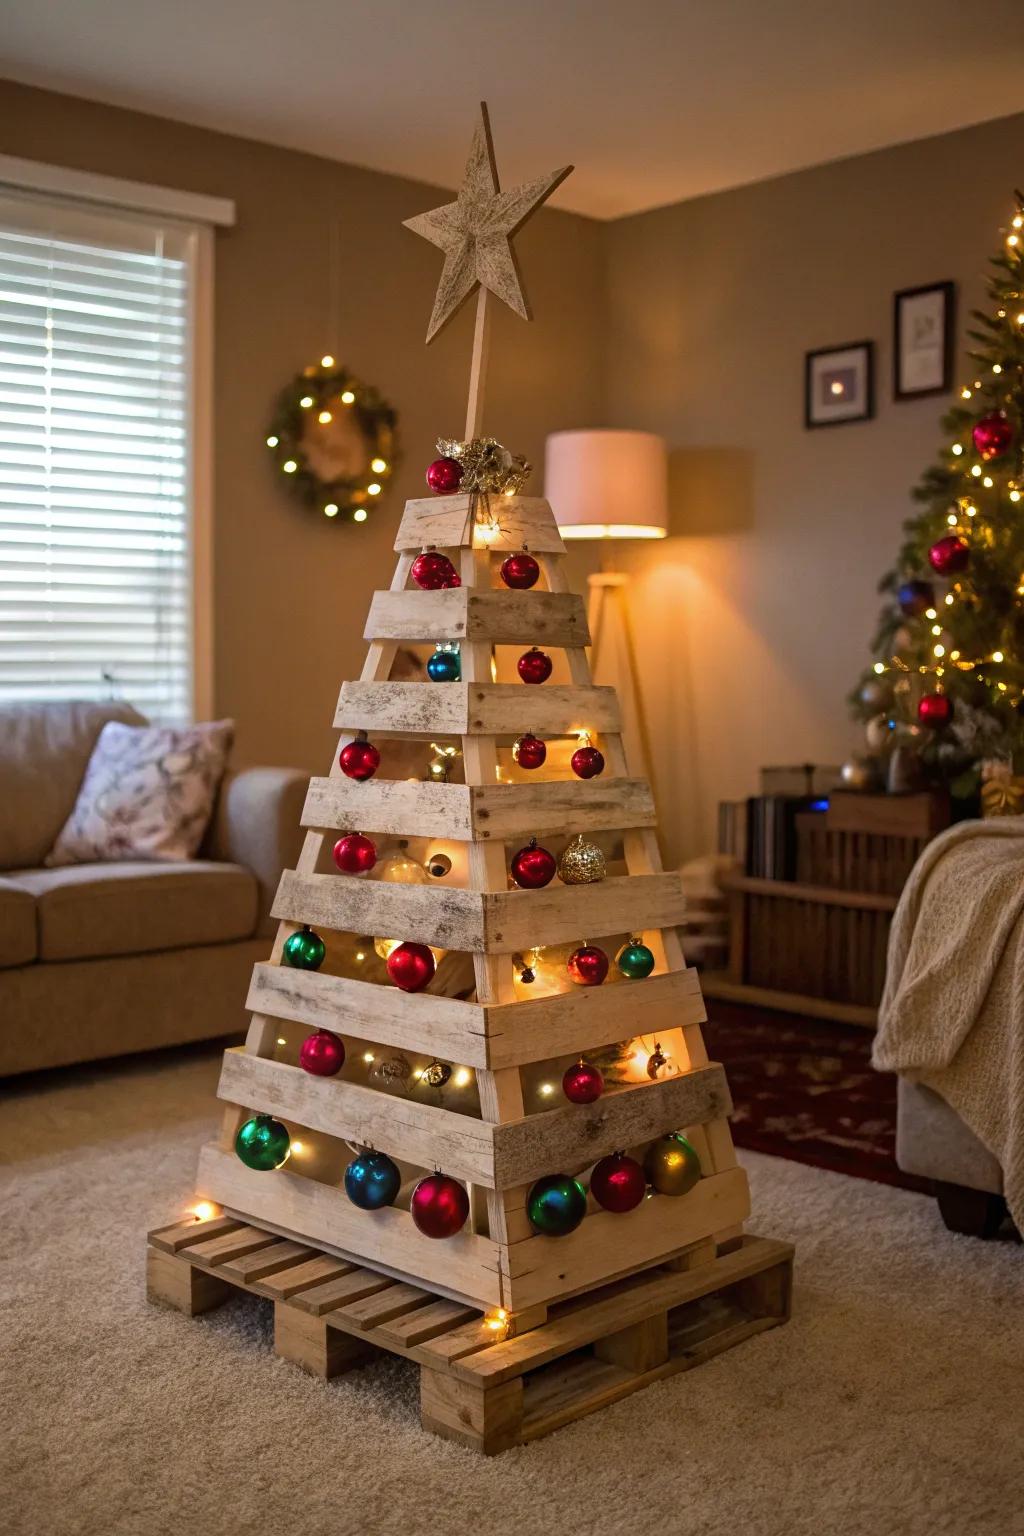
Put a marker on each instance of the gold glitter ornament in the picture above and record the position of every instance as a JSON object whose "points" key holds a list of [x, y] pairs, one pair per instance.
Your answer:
{"points": [[436, 1075], [488, 468], [582, 863]]}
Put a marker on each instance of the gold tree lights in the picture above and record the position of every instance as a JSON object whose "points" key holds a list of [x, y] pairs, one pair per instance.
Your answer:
{"points": [[948, 684]]}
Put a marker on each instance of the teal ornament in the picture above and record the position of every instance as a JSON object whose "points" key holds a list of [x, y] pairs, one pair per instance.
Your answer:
{"points": [[635, 960], [304, 949], [263, 1143], [445, 666], [556, 1205], [372, 1181]]}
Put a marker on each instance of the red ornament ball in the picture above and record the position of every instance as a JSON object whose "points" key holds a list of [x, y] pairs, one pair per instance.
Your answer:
{"points": [[322, 1053], [444, 476], [582, 1083], [533, 866], [433, 571], [587, 762], [359, 760], [618, 1183], [950, 555], [534, 666], [354, 854], [529, 751], [588, 966], [992, 435], [935, 710], [520, 571], [411, 966], [439, 1206]]}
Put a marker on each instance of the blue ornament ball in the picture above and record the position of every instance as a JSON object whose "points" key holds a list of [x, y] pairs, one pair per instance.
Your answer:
{"points": [[915, 597], [372, 1181], [445, 666]]}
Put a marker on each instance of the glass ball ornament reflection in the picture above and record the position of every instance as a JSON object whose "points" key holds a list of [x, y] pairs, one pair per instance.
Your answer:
{"points": [[359, 759], [444, 476], [263, 1143], [950, 555], [672, 1165], [304, 950], [439, 1206], [445, 665], [935, 710], [634, 960], [556, 1205], [354, 854], [520, 571], [582, 1083], [529, 751], [992, 435], [534, 666], [618, 1183], [372, 1181], [411, 967], [322, 1054], [432, 571], [587, 762], [533, 867], [587, 966]]}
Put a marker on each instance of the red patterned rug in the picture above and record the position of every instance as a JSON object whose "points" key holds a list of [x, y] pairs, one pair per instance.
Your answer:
{"points": [[805, 1089]]}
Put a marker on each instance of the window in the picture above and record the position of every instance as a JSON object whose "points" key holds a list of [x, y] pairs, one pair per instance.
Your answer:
{"points": [[98, 526]]}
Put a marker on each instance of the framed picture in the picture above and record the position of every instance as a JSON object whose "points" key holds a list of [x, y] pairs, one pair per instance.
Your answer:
{"points": [[839, 384], [923, 327]]}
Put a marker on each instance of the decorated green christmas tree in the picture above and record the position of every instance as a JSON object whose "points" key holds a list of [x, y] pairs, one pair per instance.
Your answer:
{"points": [[947, 685]]}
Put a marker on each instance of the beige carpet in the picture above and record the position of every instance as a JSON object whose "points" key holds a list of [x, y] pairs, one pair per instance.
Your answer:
{"points": [[893, 1402]]}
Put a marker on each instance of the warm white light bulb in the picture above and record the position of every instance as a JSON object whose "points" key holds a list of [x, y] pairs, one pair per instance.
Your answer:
{"points": [[997, 367], [460, 1078], [958, 449], [327, 361], [1015, 495], [306, 402], [347, 397], [272, 442], [378, 466], [547, 1089], [359, 515], [988, 482], [204, 1211], [975, 469], [324, 417], [331, 509], [368, 1056], [939, 650], [951, 519], [289, 466], [879, 666], [373, 488], [929, 613], [936, 629], [997, 655]]}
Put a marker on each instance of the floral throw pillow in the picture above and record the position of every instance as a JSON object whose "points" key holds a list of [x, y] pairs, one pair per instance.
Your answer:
{"points": [[148, 793]]}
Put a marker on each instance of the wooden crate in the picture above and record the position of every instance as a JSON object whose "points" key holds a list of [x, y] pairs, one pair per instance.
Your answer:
{"points": [[486, 1391]]}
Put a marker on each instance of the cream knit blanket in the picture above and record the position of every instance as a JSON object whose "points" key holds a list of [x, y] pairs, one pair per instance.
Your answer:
{"points": [[952, 1014]]}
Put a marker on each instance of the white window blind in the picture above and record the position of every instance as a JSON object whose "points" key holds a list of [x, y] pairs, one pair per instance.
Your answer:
{"points": [[96, 324]]}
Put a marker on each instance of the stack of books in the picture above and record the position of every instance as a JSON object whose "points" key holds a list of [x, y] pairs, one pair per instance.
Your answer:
{"points": [[760, 832]]}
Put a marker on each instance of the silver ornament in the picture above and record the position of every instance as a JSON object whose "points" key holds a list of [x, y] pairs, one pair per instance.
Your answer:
{"points": [[581, 863], [860, 774]]}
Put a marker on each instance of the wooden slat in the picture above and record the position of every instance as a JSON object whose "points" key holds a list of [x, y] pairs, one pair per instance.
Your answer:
{"points": [[249, 1268], [479, 812], [320, 1299], [230, 1245], [305, 1275], [466, 613], [424, 1323], [788, 890], [419, 1021], [494, 1035], [464, 1267], [393, 1302], [499, 523], [418, 1133], [475, 709], [574, 1135], [185, 1234], [498, 922], [717, 985]]}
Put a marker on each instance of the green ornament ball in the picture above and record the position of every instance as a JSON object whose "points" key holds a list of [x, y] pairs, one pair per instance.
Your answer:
{"points": [[556, 1205], [263, 1143], [672, 1165], [635, 960], [304, 949]]}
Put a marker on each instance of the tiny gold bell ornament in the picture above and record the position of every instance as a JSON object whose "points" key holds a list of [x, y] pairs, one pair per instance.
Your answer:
{"points": [[1002, 791], [581, 863]]}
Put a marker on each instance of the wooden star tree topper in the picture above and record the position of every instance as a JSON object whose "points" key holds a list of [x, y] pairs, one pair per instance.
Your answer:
{"points": [[475, 232]]}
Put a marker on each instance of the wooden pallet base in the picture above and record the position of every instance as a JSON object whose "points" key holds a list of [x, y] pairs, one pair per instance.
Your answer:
{"points": [[487, 1392]]}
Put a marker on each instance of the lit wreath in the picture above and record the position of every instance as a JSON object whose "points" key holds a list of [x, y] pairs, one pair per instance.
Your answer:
{"points": [[334, 439]]}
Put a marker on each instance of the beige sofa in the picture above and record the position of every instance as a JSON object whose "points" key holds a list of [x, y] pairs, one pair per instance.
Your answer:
{"points": [[101, 959]]}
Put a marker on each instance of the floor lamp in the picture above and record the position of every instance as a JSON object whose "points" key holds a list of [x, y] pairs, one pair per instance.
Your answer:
{"points": [[608, 486]]}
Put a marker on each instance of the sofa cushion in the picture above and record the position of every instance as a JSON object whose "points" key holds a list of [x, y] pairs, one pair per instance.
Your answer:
{"points": [[90, 910], [17, 924], [44, 750]]}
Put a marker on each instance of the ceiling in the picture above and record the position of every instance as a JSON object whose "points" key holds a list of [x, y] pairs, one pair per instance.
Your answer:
{"points": [[653, 100]]}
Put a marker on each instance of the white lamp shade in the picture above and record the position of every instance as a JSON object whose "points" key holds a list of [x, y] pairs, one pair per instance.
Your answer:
{"points": [[607, 485]]}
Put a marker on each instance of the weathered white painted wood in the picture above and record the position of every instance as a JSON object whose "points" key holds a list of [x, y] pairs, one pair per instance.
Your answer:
{"points": [[497, 923], [418, 1133], [464, 613], [493, 1035], [574, 1135], [464, 1267], [483, 812], [475, 709], [498, 523], [607, 1245], [419, 1021]]}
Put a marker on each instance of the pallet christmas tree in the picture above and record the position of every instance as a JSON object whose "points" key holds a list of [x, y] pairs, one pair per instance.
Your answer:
{"points": [[438, 1174]]}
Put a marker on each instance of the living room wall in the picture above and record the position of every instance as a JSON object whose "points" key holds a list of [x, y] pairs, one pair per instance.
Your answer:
{"points": [[291, 590], [754, 619]]}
